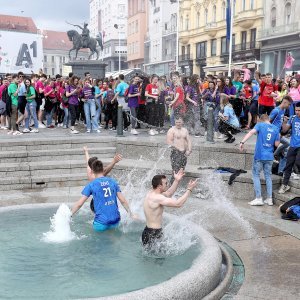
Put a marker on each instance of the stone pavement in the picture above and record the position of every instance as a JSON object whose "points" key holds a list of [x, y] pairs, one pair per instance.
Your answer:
{"points": [[268, 246]]}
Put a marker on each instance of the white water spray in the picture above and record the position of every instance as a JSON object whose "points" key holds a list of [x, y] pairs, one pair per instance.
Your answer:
{"points": [[60, 230]]}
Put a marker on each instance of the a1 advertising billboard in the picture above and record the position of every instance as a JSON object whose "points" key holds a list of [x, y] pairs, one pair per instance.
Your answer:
{"points": [[20, 51]]}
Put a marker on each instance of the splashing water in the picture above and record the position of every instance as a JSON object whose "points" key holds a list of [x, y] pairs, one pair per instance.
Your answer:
{"points": [[60, 231]]}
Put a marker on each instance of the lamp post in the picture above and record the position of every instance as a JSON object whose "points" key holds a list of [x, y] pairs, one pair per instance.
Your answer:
{"points": [[177, 36], [118, 27]]}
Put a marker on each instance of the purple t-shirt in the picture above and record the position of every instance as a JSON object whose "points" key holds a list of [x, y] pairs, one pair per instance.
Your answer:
{"points": [[162, 97], [133, 101], [74, 98]]}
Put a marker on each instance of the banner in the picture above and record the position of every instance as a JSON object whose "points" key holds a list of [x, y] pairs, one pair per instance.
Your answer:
{"points": [[20, 51]]}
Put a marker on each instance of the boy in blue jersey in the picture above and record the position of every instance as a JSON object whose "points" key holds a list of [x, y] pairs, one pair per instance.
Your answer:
{"points": [[293, 155], [105, 191], [267, 137], [277, 117]]}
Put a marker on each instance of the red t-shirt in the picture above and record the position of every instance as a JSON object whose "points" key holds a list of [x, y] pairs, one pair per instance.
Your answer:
{"points": [[248, 92], [265, 94], [180, 100], [152, 89], [47, 89]]}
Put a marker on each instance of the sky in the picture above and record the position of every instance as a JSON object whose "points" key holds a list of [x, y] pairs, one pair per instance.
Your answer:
{"points": [[51, 15]]}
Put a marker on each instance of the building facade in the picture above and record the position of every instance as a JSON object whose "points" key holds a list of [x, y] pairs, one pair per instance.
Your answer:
{"points": [[160, 40], [56, 46], [202, 36], [280, 35], [109, 18], [137, 29]]}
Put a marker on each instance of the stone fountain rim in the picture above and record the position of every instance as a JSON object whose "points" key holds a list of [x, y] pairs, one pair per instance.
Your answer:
{"points": [[197, 282]]}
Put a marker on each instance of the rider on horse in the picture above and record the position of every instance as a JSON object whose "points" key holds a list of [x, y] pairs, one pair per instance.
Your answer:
{"points": [[85, 34]]}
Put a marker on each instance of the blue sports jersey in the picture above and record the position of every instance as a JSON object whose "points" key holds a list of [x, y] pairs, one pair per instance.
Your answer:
{"points": [[104, 191], [267, 135], [294, 121], [276, 117]]}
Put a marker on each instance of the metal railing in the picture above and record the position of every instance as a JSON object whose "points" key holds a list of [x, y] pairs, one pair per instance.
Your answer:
{"points": [[184, 57]]}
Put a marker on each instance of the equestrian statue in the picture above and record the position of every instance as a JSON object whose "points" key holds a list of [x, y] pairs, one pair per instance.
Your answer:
{"points": [[83, 40]]}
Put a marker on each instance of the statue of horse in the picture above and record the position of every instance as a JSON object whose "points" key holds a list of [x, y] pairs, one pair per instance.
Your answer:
{"points": [[76, 38]]}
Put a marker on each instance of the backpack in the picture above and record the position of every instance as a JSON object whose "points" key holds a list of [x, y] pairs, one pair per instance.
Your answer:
{"points": [[6, 98], [126, 95], [5, 95]]}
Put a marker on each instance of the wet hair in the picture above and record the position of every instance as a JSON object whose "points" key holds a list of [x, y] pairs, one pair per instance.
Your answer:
{"points": [[297, 104], [264, 118], [157, 180], [121, 76], [91, 161], [97, 167], [288, 98]]}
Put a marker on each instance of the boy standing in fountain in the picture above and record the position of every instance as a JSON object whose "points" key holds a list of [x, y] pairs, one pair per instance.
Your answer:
{"points": [[155, 201], [105, 191], [179, 140]]}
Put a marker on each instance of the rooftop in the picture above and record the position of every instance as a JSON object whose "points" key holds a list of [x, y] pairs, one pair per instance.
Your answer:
{"points": [[17, 23], [56, 40]]}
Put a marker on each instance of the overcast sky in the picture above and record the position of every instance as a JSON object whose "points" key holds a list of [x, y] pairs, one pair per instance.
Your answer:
{"points": [[51, 15]]}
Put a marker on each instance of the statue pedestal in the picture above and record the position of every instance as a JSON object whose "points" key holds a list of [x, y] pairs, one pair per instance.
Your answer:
{"points": [[95, 67]]}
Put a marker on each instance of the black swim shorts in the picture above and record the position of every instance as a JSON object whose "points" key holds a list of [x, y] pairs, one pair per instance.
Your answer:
{"points": [[151, 235]]}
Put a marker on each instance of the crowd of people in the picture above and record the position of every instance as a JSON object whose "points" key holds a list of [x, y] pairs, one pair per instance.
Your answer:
{"points": [[40, 101]]}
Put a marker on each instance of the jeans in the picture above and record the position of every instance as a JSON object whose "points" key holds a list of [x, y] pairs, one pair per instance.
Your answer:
{"points": [[31, 111], [293, 159], [66, 117], [133, 116], [98, 111], [285, 144], [266, 166], [90, 114], [49, 116]]}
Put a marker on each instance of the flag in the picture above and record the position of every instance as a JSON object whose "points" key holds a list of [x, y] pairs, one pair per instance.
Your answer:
{"points": [[289, 61], [228, 20]]}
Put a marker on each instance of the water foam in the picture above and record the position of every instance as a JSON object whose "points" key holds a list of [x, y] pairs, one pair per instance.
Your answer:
{"points": [[60, 230]]}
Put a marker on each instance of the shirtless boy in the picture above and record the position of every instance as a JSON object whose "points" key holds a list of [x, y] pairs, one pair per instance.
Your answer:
{"points": [[155, 201], [179, 139]]}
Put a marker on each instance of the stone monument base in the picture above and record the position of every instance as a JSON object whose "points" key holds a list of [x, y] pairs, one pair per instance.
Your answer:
{"points": [[95, 67]]}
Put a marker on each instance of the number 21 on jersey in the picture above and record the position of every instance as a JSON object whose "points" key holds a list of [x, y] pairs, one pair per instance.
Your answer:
{"points": [[107, 192]]}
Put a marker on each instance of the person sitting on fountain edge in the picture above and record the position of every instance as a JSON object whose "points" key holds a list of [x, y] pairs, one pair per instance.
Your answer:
{"points": [[105, 191], [155, 201]]}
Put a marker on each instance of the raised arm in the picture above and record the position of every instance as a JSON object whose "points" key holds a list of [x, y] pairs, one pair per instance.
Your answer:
{"points": [[86, 152], [116, 159], [170, 202], [177, 178]]}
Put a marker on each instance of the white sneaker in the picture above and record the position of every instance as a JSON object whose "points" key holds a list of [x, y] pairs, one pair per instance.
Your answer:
{"points": [[26, 130], [269, 201], [283, 189], [74, 131], [41, 125], [65, 127], [98, 131], [34, 130], [17, 133], [155, 131], [88, 131], [151, 132], [134, 131], [295, 176], [221, 136], [162, 131], [256, 202], [4, 127]]}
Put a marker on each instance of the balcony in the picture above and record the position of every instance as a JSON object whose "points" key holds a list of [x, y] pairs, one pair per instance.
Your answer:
{"points": [[185, 57], [211, 29], [247, 18], [279, 31], [242, 52], [169, 31]]}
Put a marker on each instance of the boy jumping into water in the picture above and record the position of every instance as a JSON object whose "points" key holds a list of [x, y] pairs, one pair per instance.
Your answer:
{"points": [[155, 201], [105, 193]]}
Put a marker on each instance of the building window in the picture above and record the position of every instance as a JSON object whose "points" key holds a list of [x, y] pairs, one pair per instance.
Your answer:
{"points": [[253, 38], [243, 4], [53, 71], [244, 40], [224, 45], [251, 4], [52, 59], [206, 16], [223, 10], [288, 13], [198, 19], [213, 47], [188, 51], [183, 51], [46, 71], [181, 23], [273, 17], [201, 50], [45, 58], [214, 14], [187, 23]]}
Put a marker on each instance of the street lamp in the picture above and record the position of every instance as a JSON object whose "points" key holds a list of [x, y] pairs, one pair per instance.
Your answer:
{"points": [[119, 35]]}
